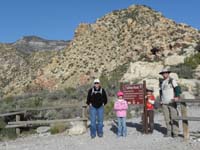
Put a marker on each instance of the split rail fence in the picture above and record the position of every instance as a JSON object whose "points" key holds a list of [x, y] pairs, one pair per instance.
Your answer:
{"points": [[18, 123], [184, 115]]}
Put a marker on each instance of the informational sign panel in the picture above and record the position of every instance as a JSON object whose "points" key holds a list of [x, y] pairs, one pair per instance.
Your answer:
{"points": [[133, 93]]}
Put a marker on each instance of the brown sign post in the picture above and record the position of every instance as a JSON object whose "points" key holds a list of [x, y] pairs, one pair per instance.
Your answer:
{"points": [[135, 94]]}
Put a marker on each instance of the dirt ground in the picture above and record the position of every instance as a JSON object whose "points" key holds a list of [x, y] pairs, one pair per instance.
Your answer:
{"points": [[134, 140]]}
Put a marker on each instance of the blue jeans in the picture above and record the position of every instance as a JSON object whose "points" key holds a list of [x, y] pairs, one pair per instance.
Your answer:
{"points": [[96, 114], [121, 126]]}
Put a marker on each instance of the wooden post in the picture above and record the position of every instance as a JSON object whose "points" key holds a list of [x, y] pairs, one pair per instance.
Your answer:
{"points": [[17, 129], [84, 115], [185, 122], [17, 117], [145, 123]]}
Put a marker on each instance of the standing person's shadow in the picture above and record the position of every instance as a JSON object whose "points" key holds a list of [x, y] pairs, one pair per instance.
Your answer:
{"points": [[128, 124], [160, 128], [114, 127], [139, 127]]}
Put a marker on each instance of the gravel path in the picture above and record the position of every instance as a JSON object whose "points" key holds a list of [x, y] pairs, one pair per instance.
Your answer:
{"points": [[134, 139]]}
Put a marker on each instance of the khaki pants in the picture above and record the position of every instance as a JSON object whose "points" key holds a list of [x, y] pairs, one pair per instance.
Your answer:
{"points": [[170, 111]]}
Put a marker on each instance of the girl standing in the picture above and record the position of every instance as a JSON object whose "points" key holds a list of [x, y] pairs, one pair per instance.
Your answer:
{"points": [[120, 108]]}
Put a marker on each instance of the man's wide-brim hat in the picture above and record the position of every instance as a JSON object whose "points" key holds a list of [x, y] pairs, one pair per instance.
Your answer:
{"points": [[165, 70]]}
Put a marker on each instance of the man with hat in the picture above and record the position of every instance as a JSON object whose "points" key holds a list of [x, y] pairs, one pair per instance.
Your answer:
{"points": [[169, 94], [96, 100]]}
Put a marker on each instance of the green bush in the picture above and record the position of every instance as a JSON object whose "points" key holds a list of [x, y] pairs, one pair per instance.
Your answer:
{"points": [[197, 90], [59, 128], [109, 111], [186, 69], [9, 133], [183, 71], [193, 61], [2, 123], [198, 47], [32, 102], [110, 81]]}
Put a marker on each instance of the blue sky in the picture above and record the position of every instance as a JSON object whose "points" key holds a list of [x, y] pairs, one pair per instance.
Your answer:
{"points": [[57, 19]]}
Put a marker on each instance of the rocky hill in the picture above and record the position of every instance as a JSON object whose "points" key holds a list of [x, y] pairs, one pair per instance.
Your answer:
{"points": [[18, 68], [34, 43], [121, 37]]}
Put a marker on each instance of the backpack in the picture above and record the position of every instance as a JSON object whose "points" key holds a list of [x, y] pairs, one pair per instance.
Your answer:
{"points": [[95, 92], [170, 82]]}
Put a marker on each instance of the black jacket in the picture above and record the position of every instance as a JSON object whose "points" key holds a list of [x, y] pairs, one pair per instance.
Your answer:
{"points": [[97, 97]]}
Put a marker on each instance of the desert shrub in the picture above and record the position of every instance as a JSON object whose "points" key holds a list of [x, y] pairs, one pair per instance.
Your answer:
{"points": [[71, 92], [2, 123], [198, 47], [186, 69], [7, 104], [59, 128], [111, 80], [197, 90], [57, 95], [109, 111], [193, 61], [31, 102], [183, 71], [129, 115], [82, 91], [9, 99], [9, 133], [6, 133]]}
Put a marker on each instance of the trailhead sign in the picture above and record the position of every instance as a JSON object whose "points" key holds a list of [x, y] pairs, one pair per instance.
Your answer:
{"points": [[133, 93]]}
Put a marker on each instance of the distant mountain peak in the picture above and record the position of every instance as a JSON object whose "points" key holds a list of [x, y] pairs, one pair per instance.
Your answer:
{"points": [[32, 38], [35, 43]]}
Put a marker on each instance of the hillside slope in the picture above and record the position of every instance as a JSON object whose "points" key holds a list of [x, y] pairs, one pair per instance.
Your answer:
{"points": [[137, 33]]}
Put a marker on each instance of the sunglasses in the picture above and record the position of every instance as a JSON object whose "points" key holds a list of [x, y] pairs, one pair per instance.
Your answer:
{"points": [[96, 83]]}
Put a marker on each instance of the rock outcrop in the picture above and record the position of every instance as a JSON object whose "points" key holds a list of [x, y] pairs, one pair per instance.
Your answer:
{"points": [[34, 43], [119, 37], [125, 36]]}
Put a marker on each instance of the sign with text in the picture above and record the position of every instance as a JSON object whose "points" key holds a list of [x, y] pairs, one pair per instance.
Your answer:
{"points": [[133, 93]]}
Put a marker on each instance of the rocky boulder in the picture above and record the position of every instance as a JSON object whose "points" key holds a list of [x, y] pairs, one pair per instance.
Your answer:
{"points": [[43, 130], [77, 129], [197, 73], [174, 60], [187, 95], [140, 70]]}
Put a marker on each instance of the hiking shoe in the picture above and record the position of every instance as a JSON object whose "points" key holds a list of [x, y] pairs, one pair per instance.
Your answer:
{"points": [[92, 137], [100, 135], [167, 135], [175, 135]]}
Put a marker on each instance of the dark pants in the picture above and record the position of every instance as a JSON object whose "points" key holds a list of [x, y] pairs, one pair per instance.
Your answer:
{"points": [[150, 119]]}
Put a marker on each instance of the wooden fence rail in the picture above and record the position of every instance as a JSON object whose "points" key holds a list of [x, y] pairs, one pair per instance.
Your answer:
{"points": [[47, 108], [44, 122], [184, 116], [12, 113], [22, 111]]}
